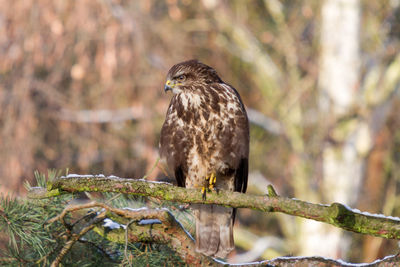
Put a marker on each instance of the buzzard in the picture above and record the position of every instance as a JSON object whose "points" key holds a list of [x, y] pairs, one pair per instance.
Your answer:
{"points": [[205, 144]]}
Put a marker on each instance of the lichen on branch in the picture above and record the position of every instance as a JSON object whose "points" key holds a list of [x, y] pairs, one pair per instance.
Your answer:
{"points": [[335, 214]]}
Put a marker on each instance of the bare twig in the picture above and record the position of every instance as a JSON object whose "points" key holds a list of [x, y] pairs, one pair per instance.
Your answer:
{"points": [[126, 241], [270, 125], [102, 115], [68, 245], [152, 168]]}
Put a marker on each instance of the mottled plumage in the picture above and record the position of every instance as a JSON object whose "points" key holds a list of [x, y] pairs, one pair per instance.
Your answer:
{"points": [[206, 131]]}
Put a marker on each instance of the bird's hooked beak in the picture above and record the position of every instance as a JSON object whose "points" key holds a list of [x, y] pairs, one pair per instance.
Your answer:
{"points": [[168, 86]]}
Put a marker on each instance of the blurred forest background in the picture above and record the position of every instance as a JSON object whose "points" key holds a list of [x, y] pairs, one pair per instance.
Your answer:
{"points": [[81, 87]]}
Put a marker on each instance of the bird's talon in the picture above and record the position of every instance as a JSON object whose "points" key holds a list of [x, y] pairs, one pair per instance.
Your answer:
{"points": [[212, 181], [203, 191]]}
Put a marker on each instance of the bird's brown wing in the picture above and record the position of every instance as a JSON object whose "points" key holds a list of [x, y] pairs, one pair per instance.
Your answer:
{"points": [[180, 176], [241, 176], [170, 147]]}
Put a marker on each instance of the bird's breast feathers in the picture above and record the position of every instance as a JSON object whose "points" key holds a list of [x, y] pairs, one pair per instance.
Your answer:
{"points": [[204, 128]]}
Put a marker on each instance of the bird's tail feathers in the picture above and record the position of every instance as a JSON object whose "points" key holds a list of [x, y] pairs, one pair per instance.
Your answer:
{"points": [[214, 230]]}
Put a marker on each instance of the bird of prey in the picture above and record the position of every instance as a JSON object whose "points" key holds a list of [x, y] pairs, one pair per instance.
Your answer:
{"points": [[205, 144]]}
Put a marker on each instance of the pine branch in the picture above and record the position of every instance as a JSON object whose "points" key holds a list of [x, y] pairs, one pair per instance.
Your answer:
{"points": [[159, 226], [144, 226], [335, 214]]}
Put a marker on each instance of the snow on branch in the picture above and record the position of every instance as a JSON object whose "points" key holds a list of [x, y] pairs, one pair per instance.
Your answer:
{"points": [[146, 225], [335, 214], [134, 226]]}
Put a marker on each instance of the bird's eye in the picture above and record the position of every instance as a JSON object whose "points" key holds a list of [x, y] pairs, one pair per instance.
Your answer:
{"points": [[181, 77]]}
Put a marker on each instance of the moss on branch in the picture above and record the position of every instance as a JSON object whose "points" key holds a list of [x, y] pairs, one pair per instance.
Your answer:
{"points": [[136, 226], [335, 214]]}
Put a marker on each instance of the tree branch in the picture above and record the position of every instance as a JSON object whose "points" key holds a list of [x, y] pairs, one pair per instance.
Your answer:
{"points": [[335, 214], [159, 226], [75, 237], [144, 226]]}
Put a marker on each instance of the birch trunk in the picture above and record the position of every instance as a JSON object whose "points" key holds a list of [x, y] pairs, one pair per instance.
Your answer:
{"points": [[342, 159]]}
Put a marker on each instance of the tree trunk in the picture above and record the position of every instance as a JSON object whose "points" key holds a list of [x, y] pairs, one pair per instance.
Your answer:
{"points": [[345, 150]]}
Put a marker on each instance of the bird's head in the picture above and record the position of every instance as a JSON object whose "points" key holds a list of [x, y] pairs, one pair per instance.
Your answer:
{"points": [[188, 75]]}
